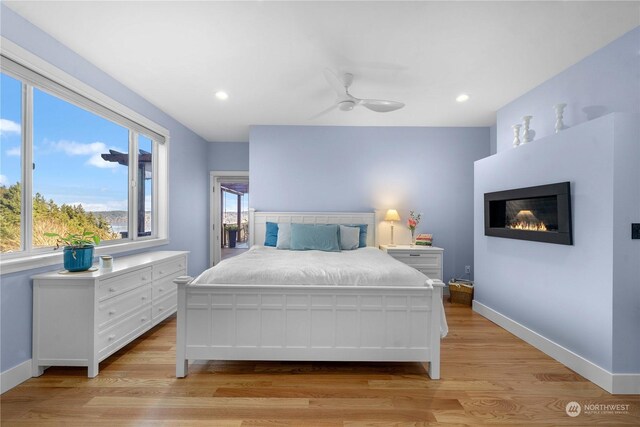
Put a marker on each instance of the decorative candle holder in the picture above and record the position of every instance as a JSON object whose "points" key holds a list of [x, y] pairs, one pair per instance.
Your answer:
{"points": [[526, 137], [516, 135], [559, 116]]}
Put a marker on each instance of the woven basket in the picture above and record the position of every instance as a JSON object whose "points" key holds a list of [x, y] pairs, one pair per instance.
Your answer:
{"points": [[460, 293]]}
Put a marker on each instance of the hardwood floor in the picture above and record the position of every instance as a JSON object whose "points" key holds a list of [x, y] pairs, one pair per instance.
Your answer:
{"points": [[488, 377]]}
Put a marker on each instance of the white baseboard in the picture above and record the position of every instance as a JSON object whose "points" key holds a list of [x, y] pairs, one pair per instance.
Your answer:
{"points": [[626, 383], [15, 376], [613, 383]]}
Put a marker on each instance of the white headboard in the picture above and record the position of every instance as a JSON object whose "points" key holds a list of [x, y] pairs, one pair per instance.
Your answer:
{"points": [[258, 222]]}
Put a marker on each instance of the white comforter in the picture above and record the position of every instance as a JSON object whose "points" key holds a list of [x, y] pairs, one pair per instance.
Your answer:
{"points": [[361, 267], [269, 266]]}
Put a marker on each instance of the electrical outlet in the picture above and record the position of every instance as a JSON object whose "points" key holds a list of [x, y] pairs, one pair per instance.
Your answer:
{"points": [[467, 269], [635, 231]]}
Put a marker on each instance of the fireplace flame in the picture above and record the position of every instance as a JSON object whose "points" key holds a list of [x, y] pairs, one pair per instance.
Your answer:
{"points": [[526, 220]]}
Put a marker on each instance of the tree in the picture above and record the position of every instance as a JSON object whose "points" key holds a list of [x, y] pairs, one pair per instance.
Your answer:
{"points": [[47, 217]]}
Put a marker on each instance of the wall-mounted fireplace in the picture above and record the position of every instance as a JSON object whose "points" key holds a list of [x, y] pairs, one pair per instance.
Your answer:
{"points": [[541, 213]]}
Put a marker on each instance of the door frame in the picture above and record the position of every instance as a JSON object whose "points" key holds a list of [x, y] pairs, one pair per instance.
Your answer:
{"points": [[214, 211]]}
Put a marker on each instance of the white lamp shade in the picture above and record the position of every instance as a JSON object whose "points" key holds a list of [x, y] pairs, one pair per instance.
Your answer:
{"points": [[392, 215]]}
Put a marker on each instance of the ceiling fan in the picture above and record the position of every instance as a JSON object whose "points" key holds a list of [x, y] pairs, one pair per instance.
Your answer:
{"points": [[347, 102]]}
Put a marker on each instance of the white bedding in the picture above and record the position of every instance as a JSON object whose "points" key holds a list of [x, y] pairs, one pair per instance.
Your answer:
{"points": [[361, 267], [269, 266]]}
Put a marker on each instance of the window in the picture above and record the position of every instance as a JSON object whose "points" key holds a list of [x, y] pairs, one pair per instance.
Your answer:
{"points": [[71, 164], [10, 165], [80, 172]]}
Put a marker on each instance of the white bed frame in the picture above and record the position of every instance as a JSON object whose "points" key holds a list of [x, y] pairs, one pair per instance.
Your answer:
{"points": [[314, 323]]}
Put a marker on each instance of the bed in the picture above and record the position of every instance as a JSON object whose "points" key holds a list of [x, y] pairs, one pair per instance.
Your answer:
{"points": [[360, 305]]}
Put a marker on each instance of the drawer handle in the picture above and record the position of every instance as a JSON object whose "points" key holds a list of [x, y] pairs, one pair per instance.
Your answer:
{"points": [[112, 312], [144, 298], [143, 277], [112, 337], [112, 289], [160, 289], [414, 254], [161, 272], [160, 308], [143, 319]]}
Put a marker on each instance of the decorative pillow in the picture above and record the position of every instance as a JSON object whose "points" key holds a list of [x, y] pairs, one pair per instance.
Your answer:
{"points": [[284, 235], [349, 237], [321, 237], [363, 233], [271, 235]]}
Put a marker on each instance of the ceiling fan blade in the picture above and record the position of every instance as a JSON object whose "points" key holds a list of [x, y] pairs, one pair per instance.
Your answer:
{"points": [[334, 81], [323, 112], [380, 105]]}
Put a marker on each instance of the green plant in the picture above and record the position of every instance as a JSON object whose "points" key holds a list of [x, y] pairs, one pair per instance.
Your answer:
{"points": [[231, 227], [75, 240]]}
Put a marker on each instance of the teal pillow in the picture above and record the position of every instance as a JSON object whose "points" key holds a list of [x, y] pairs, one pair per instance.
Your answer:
{"points": [[363, 233], [271, 235], [321, 237]]}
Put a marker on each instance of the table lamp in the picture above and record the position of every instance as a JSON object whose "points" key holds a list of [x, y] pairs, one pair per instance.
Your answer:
{"points": [[392, 215]]}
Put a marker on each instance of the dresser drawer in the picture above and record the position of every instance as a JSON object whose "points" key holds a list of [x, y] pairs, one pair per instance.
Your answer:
{"points": [[122, 283], [120, 333], [431, 273], [169, 268], [165, 306], [428, 260], [113, 309], [164, 287]]}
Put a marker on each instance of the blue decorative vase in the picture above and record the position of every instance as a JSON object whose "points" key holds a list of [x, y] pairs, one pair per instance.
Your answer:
{"points": [[78, 259]]}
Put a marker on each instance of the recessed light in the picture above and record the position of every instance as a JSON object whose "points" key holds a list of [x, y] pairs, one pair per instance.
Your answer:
{"points": [[463, 97], [222, 95]]}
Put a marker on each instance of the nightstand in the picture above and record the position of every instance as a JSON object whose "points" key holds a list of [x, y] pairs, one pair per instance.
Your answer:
{"points": [[426, 259]]}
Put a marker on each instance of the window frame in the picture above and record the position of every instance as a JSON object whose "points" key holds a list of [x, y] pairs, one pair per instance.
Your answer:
{"points": [[53, 81]]}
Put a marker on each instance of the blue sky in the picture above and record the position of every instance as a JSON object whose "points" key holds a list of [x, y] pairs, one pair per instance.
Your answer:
{"points": [[67, 144]]}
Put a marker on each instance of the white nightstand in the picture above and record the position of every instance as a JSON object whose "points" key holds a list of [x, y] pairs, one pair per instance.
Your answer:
{"points": [[426, 259]]}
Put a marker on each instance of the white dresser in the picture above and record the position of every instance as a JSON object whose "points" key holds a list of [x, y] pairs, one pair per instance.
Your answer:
{"points": [[79, 319], [427, 259]]}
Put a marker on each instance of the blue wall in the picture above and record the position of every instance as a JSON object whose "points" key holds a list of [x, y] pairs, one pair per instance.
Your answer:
{"points": [[606, 81], [327, 168], [229, 156], [188, 210], [601, 151]]}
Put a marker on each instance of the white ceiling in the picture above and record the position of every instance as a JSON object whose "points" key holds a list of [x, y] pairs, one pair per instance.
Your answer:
{"points": [[270, 56]]}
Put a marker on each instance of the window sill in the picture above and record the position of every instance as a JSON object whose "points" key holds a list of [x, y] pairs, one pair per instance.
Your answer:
{"points": [[14, 265]]}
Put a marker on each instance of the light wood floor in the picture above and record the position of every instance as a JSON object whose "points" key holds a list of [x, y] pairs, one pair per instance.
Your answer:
{"points": [[488, 377]]}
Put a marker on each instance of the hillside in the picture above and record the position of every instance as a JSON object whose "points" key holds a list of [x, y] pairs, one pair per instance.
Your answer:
{"points": [[47, 217]]}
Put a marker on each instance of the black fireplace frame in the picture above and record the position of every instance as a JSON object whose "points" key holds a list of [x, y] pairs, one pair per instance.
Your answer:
{"points": [[562, 190]]}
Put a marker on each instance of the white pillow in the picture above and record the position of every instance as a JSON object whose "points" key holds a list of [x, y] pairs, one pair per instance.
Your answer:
{"points": [[284, 236], [349, 237]]}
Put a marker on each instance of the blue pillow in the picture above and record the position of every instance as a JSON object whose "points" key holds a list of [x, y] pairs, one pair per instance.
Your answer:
{"points": [[363, 233], [271, 236], [321, 237]]}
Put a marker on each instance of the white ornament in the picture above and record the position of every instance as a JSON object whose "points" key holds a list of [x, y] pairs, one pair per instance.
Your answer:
{"points": [[525, 134], [559, 116], [516, 135]]}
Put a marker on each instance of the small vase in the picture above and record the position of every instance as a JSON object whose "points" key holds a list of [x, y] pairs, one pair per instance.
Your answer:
{"points": [[413, 238], [516, 135], [559, 116], [526, 136]]}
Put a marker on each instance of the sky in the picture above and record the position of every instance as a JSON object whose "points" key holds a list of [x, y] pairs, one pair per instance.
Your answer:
{"points": [[67, 144]]}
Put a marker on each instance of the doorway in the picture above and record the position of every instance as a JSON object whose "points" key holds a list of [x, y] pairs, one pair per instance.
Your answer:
{"points": [[229, 214]]}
